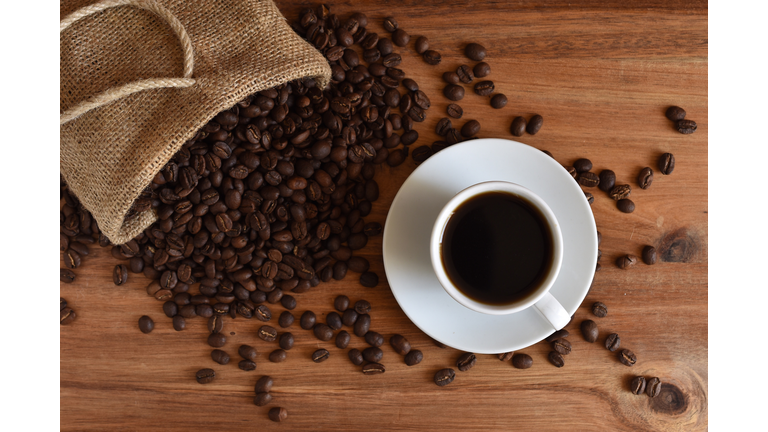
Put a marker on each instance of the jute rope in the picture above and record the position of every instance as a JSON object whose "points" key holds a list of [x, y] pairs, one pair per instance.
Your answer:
{"points": [[120, 92]]}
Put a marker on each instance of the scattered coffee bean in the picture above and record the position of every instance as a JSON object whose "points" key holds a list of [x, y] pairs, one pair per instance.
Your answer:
{"points": [[358, 264], [307, 320], [264, 384], [262, 399], [432, 57], [560, 334], [518, 126], [626, 261], [443, 377], [400, 37], [67, 276], [455, 111], [590, 198], [675, 113], [637, 386], [625, 205], [421, 45], [62, 303], [454, 92], [400, 344], [465, 74], [322, 332], [471, 128], [216, 340], [349, 317], [342, 339], [466, 361], [286, 319], [443, 126], [362, 324], [68, 316], [268, 333], [627, 357], [369, 279], [612, 342], [649, 255], [179, 323], [320, 355], [522, 361], [582, 165], [413, 357], [288, 301], [333, 319], [341, 303], [556, 359], [204, 376], [589, 330], [146, 325], [506, 356], [373, 369], [451, 77], [686, 126], [607, 180], [588, 179], [248, 365], [620, 192], [599, 309], [278, 414], [356, 356], [498, 101], [390, 24], [285, 341], [562, 346], [362, 306], [374, 338], [120, 274], [667, 163], [482, 70], [474, 51], [220, 357], [484, 88], [653, 388], [215, 324], [645, 178], [373, 354], [534, 124]]}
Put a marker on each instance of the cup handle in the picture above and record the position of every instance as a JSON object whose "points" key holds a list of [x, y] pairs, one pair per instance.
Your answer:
{"points": [[553, 311]]}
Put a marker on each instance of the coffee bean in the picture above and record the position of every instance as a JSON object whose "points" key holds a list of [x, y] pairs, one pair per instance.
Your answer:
{"points": [[626, 261], [322, 332], [453, 92], [341, 303], [374, 338], [625, 205], [421, 154], [204, 376], [349, 317], [373, 369], [307, 320], [582, 165], [342, 339], [627, 357], [588, 179], [373, 354], [356, 356], [179, 323], [146, 325], [320, 355], [562, 346], [612, 342], [421, 45], [498, 101], [556, 359], [637, 386], [286, 341], [686, 126], [369, 279], [675, 113], [372, 229], [439, 344], [465, 74], [400, 344], [390, 24], [560, 334], [484, 88], [653, 388], [443, 377], [466, 361], [649, 255], [589, 330], [620, 192], [277, 356], [451, 77], [522, 361], [278, 414], [362, 324], [71, 259], [264, 384], [333, 319], [506, 356], [400, 37], [607, 180], [645, 178], [534, 124], [482, 70], [216, 340], [455, 111], [667, 163], [247, 365], [413, 357], [362, 306], [443, 126], [518, 126], [215, 324], [62, 303], [385, 47], [66, 275], [262, 399], [599, 309], [474, 51], [285, 320], [470, 128], [268, 333], [220, 356], [120, 274], [68, 316], [432, 57], [590, 198]]}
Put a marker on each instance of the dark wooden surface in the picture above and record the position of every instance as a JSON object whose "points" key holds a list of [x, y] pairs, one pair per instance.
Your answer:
{"points": [[602, 75]]}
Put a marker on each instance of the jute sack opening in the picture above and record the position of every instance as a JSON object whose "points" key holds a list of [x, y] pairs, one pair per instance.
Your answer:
{"points": [[140, 77]]}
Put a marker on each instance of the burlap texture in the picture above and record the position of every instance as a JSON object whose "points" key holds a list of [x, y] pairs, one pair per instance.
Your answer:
{"points": [[111, 153]]}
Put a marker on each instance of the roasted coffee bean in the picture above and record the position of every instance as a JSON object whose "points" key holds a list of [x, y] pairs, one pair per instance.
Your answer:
{"points": [[413, 357], [373, 354], [362, 306], [484, 88], [686, 126], [451, 77], [286, 319], [369, 279], [518, 126], [390, 24], [649, 255], [474, 51], [322, 332], [277, 356], [522, 361], [560, 334], [286, 341], [421, 45], [372, 229], [247, 352], [342, 339], [341, 303], [637, 386], [400, 344], [278, 414], [589, 330], [443, 126], [267, 333], [675, 113], [588, 179], [374, 338], [556, 359], [572, 172], [320, 355], [307, 320], [620, 192], [400, 37], [146, 325], [482, 70], [562, 346], [645, 178], [216, 340], [443, 377], [432, 57], [262, 399], [653, 388], [625, 205], [220, 356], [215, 324], [465, 74], [120, 274], [582, 165], [264, 384], [607, 180], [204, 310], [534, 124], [204, 376], [455, 111], [356, 356], [507, 356], [79, 248], [362, 324], [66, 275], [62, 303], [179, 323], [470, 128], [612, 342], [373, 369], [667, 163], [466, 361], [599, 309], [247, 365], [590, 197], [358, 264], [627, 357], [71, 259], [68, 316], [421, 154], [333, 319], [453, 92], [498, 101], [349, 317], [262, 313]]}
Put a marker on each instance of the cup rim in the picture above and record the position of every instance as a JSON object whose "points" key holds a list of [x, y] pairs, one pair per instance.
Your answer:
{"points": [[439, 227]]}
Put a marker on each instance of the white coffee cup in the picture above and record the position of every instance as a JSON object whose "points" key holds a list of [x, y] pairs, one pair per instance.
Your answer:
{"points": [[540, 298]]}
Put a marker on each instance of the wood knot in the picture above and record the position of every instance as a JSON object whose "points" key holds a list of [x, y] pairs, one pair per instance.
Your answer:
{"points": [[680, 245], [671, 401]]}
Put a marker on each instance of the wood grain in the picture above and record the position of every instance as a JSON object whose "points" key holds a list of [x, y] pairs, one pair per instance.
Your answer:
{"points": [[602, 75]]}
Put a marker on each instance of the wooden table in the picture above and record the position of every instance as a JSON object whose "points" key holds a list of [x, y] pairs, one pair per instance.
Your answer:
{"points": [[602, 75]]}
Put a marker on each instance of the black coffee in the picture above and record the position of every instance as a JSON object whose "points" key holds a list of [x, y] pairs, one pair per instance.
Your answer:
{"points": [[497, 248]]}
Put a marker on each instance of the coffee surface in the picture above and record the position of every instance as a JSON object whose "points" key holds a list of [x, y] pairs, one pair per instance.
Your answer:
{"points": [[497, 248]]}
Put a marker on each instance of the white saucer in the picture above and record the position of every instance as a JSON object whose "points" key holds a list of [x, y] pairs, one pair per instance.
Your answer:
{"points": [[409, 225]]}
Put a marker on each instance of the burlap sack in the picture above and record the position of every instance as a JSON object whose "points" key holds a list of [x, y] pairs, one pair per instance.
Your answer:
{"points": [[140, 77]]}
